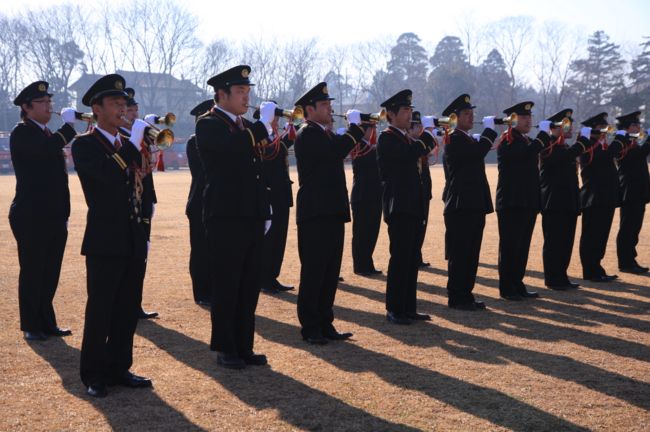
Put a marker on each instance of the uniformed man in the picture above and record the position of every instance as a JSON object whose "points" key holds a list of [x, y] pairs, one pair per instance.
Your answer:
{"points": [[200, 266], [148, 194], [236, 213], [322, 211], [467, 200], [399, 157], [415, 131], [40, 209], [365, 200], [598, 197], [115, 239], [634, 191], [278, 184], [560, 197], [517, 202]]}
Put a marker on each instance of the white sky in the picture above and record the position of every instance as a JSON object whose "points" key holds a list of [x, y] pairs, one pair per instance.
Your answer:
{"points": [[346, 21]]}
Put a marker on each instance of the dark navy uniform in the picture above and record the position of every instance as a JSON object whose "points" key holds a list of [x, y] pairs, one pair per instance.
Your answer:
{"points": [[322, 209], [199, 266], [235, 207], [560, 203], [517, 205], [278, 183], [598, 200], [365, 199], [634, 194], [38, 214], [467, 199]]}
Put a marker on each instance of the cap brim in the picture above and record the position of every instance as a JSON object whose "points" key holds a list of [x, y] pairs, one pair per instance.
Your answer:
{"points": [[106, 93]]}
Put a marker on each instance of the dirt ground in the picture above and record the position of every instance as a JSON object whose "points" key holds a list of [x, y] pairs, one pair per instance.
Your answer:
{"points": [[576, 360]]}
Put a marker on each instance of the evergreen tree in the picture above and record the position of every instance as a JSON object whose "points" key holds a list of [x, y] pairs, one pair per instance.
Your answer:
{"points": [[493, 85], [451, 73]]}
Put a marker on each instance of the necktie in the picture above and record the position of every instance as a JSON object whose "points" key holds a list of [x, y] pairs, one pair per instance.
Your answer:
{"points": [[117, 144], [47, 132], [240, 123]]}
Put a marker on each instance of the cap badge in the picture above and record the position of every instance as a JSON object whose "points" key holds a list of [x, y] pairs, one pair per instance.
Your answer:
{"points": [[42, 87]]}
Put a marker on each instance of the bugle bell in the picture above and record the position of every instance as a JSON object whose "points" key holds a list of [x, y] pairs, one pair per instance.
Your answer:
{"points": [[448, 123], [162, 138], [511, 120], [168, 119]]}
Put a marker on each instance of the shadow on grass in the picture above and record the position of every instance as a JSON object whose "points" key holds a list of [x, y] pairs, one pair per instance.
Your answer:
{"points": [[263, 388], [124, 409], [308, 408], [484, 350]]}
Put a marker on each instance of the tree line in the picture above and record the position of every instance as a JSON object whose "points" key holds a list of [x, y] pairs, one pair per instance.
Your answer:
{"points": [[509, 60]]}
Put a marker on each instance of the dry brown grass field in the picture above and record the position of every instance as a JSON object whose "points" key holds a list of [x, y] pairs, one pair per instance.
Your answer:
{"points": [[577, 360]]}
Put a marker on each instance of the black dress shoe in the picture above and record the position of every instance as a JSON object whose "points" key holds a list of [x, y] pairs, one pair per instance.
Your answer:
{"points": [[97, 390], [418, 316], [316, 339], [376, 272], [424, 264], [57, 331], [129, 379], [334, 335], [203, 303], [479, 305], [559, 287], [147, 315], [255, 359], [511, 297], [34, 336], [230, 361], [399, 319], [573, 285], [278, 286], [268, 289], [529, 294], [341, 279], [634, 269]]}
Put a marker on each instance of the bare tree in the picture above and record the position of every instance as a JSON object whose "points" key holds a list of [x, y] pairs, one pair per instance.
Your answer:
{"points": [[511, 36]]}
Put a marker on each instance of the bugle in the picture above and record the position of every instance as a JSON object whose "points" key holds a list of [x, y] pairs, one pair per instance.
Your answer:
{"points": [[87, 117], [448, 123], [639, 136], [162, 138], [296, 114], [168, 119], [377, 117]]}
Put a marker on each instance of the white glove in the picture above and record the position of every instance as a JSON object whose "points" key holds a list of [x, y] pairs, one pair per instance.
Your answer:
{"points": [[477, 137], [150, 118], [353, 116], [488, 122], [585, 132], [267, 112], [267, 226], [545, 126], [153, 208], [427, 122], [69, 115], [621, 132], [341, 131], [137, 132]]}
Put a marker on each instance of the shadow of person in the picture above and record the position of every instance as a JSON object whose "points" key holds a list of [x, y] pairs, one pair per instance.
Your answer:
{"points": [[302, 406], [520, 320], [486, 403], [136, 409]]}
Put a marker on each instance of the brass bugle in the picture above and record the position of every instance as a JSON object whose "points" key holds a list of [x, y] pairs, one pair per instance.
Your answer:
{"points": [[87, 117], [163, 138], [511, 120], [292, 115], [168, 119], [609, 130], [377, 117], [447, 122]]}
